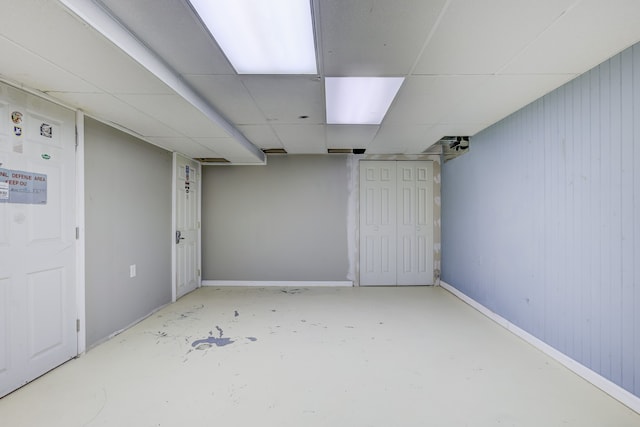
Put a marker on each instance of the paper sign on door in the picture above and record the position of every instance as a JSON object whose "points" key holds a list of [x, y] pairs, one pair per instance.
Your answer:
{"points": [[23, 187]]}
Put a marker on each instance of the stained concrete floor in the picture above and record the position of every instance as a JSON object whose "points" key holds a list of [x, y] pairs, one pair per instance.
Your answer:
{"points": [[314, 357]]}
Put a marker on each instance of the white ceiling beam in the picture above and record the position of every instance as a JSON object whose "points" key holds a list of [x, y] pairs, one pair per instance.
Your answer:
{"points": [[113, 31]]}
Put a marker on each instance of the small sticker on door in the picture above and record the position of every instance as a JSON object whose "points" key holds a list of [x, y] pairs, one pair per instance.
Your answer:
{"points": [[46, 130], [17, 147], [17, 130], [45, 156], [186, 179], [16, 117]]}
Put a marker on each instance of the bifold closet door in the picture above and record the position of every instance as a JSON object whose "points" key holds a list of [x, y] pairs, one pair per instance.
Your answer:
{"points": [[414, 264], [377, 223], [396, 232]]}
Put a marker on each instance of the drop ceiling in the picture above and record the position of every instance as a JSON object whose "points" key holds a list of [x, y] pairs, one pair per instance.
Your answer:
{"points": [[151, 68]]}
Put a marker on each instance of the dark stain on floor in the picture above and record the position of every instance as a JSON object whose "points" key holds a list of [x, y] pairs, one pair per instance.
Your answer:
{"points": [[210, 342], [219, 341], [292, 291]]}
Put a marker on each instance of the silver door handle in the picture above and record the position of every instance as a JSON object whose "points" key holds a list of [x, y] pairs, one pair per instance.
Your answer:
{"points": [[179, 236]]}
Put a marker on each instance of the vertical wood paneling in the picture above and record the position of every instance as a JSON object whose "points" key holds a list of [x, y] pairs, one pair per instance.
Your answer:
{"points": [[594, 208], [605, 247], [613, 306], [635, 319], [585, 193], [540, 219], [574, 145], [626, 339], [574, 134]]}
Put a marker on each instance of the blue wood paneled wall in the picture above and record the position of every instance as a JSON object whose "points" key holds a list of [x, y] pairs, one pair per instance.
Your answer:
{"points": [[541, 219]]}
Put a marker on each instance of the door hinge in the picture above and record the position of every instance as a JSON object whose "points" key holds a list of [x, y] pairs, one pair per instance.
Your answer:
{"points": [[198, 272], [77, 325], [77, 233]]}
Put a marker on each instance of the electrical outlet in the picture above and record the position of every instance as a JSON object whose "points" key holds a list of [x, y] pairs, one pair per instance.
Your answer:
{"points": [[132, 270]]}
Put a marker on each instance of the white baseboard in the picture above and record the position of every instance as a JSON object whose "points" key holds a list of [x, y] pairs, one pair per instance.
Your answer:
{"points": [[612, 389], [281, 284]]}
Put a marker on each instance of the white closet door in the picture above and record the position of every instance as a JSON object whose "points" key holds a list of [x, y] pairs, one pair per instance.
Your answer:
{"points": [[396, 223], [377, 223], [415, 224]]}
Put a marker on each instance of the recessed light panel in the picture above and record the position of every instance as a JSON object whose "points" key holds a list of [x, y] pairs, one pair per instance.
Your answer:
{"points": [[262, 36], [359, 100]]}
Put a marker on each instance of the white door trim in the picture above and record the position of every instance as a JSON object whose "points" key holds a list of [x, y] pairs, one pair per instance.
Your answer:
{"points": [[80, 235], [174, 283], [174, 216], [199, 219]]}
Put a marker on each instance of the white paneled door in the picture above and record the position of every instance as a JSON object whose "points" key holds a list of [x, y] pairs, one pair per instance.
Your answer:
{"points": [[187, 225], [37, 237], [378, 223], [396, 223]]}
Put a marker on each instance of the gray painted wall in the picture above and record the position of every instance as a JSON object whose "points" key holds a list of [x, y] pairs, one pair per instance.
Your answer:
{"points": [[128, 221], [540, 219], [283, 221]]}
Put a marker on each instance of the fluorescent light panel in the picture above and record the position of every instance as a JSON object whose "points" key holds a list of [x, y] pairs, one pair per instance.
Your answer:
{"points": [[359, 100], [262, 36]]}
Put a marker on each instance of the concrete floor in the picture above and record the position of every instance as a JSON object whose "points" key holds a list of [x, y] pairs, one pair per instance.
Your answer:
{"points": [[314, 357]]}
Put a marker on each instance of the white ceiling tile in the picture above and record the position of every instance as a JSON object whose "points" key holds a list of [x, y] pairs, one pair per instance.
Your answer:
{"points": [[302, 139], [283, 99], [184, 145], [508, 93], [75, 47], [35, 72], [394, 139], [588, 34], [374, 38], [261, 135], [426, 99], [176, 113], [480, 37], [107, 108], [229, 96], [229, 149], [183, 43], [350, 136]]}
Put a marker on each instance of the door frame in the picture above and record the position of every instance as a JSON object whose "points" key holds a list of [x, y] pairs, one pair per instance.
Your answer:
{"points": [[76, 307], [81, 327], [354, 204], [174, 216], [79, 211]]}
